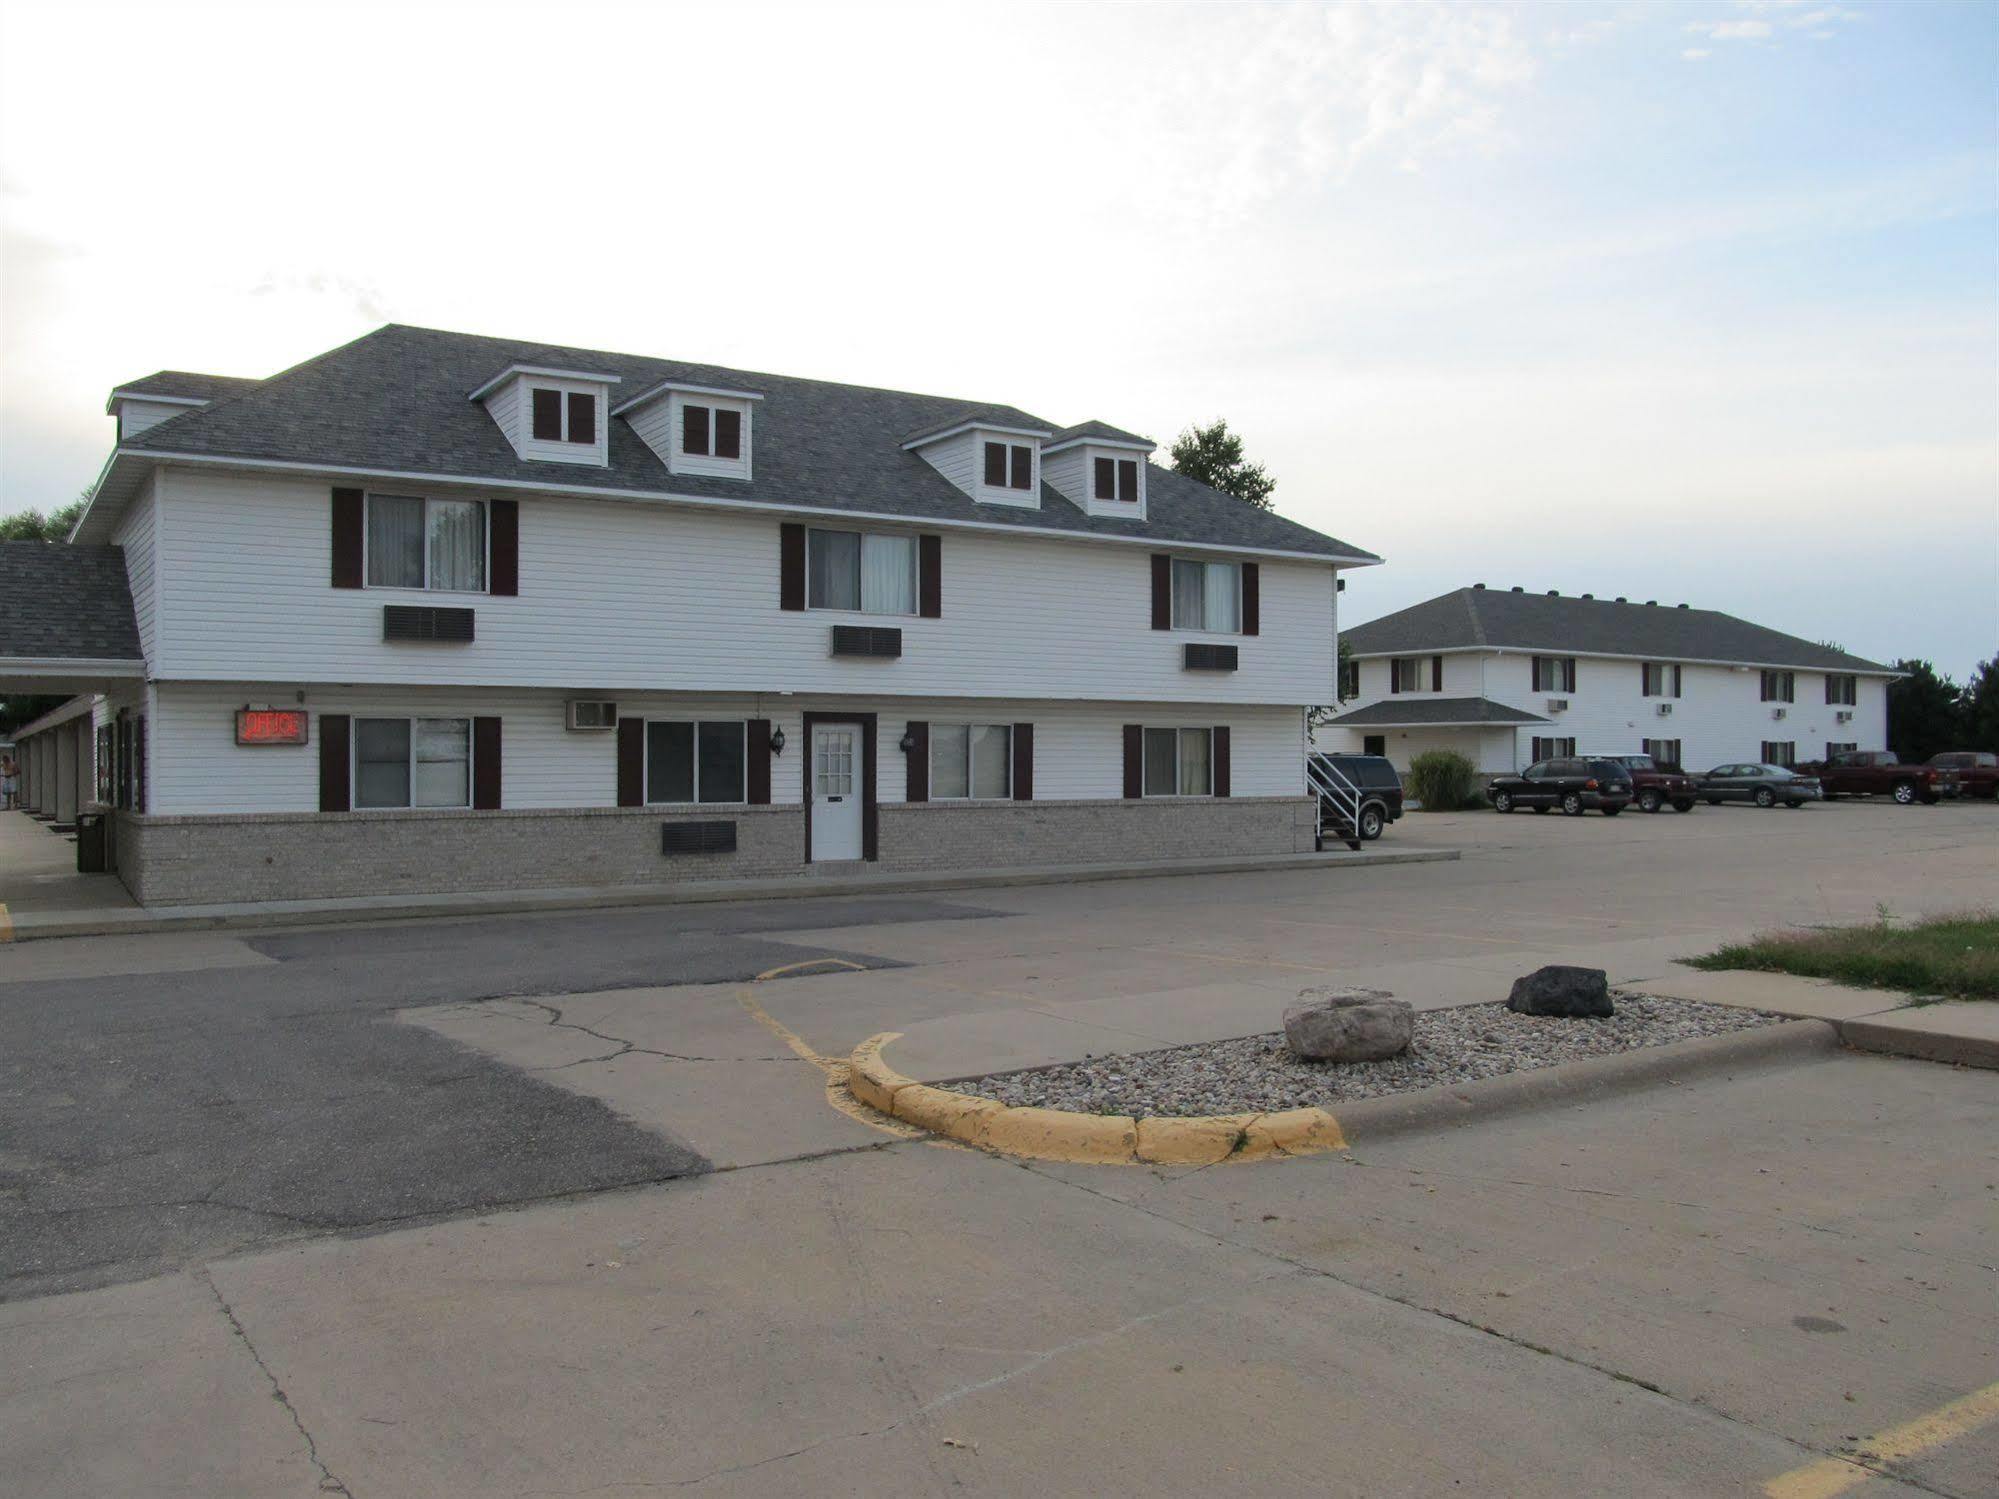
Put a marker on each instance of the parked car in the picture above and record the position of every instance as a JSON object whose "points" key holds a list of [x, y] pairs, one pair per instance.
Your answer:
{"points": [[1977, 770], [1574, 785], [1380, 790], [1878, 773], [1654, 785], [1765, 785]]}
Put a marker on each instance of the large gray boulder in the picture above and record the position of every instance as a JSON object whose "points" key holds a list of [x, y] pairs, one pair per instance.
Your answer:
{"points": [[1559, 989], [1348, 1025]]}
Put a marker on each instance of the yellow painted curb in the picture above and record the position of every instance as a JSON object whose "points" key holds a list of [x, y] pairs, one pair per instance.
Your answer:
{"points": [[1088, 1139]]}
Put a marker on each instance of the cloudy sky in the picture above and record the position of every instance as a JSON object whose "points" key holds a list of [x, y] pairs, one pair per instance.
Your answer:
{"points": [[1694, 302]]}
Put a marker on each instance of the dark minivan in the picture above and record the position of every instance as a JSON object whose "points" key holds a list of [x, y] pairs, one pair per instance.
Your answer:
{"points": [[1380, 791], [1574, 785]]}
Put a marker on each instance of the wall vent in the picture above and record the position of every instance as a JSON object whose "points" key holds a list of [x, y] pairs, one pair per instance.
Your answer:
{"points": [[876, 641], [1202, 657], [697, 837], [424, 622]]}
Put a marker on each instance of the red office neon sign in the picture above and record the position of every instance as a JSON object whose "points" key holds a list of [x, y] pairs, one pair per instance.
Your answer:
{"points": [[270, 726]]}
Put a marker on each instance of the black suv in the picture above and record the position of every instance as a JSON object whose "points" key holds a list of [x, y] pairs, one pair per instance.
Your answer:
{"points": [[1574, 785], [1380, 794]]}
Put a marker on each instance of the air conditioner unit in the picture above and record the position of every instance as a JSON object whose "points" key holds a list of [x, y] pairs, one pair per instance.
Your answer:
{"points": [[1665, 710], [591, 713], [1558, 705], [1777, 713], [1843, 716]]}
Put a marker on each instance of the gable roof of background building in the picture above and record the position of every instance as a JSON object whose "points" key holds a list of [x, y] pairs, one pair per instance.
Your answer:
{"points": [[185, 385], [1502, 619], [396, 401], [65, 603]]}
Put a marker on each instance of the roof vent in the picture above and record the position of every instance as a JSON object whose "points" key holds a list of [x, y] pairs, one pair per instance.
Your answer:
{"points": [[1651, 603], [1554, 593], [1622, 599], [1518, 589], [1680, 606], [1478, 586], [1589, 595]]}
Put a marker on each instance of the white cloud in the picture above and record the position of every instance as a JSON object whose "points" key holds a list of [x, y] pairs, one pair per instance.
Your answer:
{"points": [[1732, 31], [1695, 54]]}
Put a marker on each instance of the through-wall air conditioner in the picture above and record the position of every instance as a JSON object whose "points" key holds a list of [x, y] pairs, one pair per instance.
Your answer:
{"points": [[1665, 710], [1843, 716], [1777, 713], [592, 713], [1558, 705]]}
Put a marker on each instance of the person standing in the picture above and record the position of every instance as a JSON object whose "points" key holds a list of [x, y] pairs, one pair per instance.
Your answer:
{"points": [[10, 781]]}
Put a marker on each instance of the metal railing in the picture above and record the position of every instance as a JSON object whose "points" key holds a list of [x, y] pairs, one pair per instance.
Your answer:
{"points": [[1332, 786]]}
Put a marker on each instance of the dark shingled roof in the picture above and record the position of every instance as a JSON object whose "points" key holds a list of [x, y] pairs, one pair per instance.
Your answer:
{"points": [[1396, 712], [396, 400], [67, 603], [1500, 619], [1099, 429], [186, 385]]}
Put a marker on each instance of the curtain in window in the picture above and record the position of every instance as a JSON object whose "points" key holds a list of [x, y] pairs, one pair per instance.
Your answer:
{"points": [[395, 541], [669, 762], [1220, 590], [1189, 593], [382, 762], [1194, 762], [833, 570], [458, 545], [949, 759], [721, 760], [992, 746], [443, 762], [888, 574]]}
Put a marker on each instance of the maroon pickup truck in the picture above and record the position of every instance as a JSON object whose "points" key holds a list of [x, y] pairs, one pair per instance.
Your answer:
{"points": [[1654, 785], [1879, 773], [1977, 770]]}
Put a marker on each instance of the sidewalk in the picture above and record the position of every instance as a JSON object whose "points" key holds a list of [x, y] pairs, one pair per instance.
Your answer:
{"points": [[38, 876]]}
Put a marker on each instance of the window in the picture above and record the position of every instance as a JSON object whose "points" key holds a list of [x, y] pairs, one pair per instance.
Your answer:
{"points": [[1841, 688], [413, 762], [1009, 466], [1415, 674], [1349, 680], [1207, 596], [419, 543], [1834, 751], [1374, 744], [1554, 674], [1663, 751], [1116, 479], [861, 571], [560, 417], [1780, 687], [972, 760], [711, 431], [1782, 752], [1551, 749], [688, 762], [1179, 762], [1661, 679]]}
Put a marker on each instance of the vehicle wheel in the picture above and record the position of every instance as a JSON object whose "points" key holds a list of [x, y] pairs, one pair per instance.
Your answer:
{"points": [[1502, 801], [1649, 801], [1572, 804], [1612, 811], [1370, 823], [1905, 793], [1765, 797], [1684, 804]]}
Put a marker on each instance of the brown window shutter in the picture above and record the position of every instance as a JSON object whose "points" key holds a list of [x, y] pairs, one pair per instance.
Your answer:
{"points": [[1436, 673], [548, 416], [870, 806], [1568, 674], [1105, 486], [1023, 762], [1134, 761], [791, 565], [139, 764], [756, 772], [996, 464], [694, 430], [930, 576], [348, 538], [1023, 468], [506, 543], [582, 416], [486, 764], [919, 763], [1162, 591], [728, 434], [1221, 759], [631, 762], [334, 793], [1252, 598], [1676, 681]]}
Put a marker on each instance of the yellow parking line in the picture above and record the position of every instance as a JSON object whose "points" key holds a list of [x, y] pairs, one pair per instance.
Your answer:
{"points": [[834, 1070], [783, 969], [6, 924], [1835, 1475]]}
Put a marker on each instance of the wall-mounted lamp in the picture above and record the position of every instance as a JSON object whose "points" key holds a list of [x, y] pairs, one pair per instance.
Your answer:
{"points": [[907, 744], [777, 741]]}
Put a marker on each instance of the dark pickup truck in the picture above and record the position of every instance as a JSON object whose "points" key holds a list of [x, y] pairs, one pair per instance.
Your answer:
{"points": [[1654, 785], [1880, 773], [1977, 770]]}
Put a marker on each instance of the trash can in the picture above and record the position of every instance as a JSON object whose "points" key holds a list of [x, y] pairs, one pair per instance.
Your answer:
{"points": [[90, 843]]}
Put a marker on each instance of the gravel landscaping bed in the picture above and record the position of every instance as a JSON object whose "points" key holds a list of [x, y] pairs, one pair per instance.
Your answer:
{"points": [[1258, 1073]]}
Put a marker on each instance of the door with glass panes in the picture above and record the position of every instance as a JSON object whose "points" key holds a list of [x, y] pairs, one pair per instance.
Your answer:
{"points": [[836, 791]]}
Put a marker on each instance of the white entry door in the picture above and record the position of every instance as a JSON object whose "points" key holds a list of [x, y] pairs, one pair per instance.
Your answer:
{"points": [[836, 791]]}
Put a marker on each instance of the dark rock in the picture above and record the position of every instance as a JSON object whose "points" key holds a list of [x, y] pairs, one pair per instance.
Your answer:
{"points": [[1561, 990], [1348, 1025]]}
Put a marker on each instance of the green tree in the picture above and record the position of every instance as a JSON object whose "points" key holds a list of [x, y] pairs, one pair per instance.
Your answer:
{"points": [[1923, 712], [1213, 455], [32, 525], [1980, 707]]}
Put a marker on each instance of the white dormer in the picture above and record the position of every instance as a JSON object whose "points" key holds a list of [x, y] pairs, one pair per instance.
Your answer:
{"points": [[995, 465], [136, 413], [1099, 468], [695, 429], [552, 415]]}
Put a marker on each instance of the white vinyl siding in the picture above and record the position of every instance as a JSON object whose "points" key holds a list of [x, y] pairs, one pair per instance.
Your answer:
{"points": [[137, 532]]}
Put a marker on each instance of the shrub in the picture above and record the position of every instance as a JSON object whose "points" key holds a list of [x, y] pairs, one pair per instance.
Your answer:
{"points": [[1443, 781]]}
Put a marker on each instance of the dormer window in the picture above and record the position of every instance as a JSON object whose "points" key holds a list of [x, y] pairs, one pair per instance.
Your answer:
{"points": [[561, 416], [1116, 479], [1009, 466], [711, 432], [550, 415]]}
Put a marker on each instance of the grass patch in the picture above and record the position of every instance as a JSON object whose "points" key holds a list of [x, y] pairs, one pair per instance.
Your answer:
{"points": [[1955, 956]]}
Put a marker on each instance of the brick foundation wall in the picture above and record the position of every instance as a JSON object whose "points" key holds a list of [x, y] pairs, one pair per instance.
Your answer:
{"points": [[167, 861]]}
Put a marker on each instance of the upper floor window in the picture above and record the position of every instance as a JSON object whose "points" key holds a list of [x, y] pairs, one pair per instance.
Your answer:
{"points": [[1207, 596], [1116, 479], [862, 571], [1179, 762], [705, 761], [1009, 466], [1349, 680], [711, 431], [1780, 687], [424, 543], [1548, 749], [1409, 673], [564, 416], [1842, 688], [1661, 679], [1554, 674], [971, 760]]}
